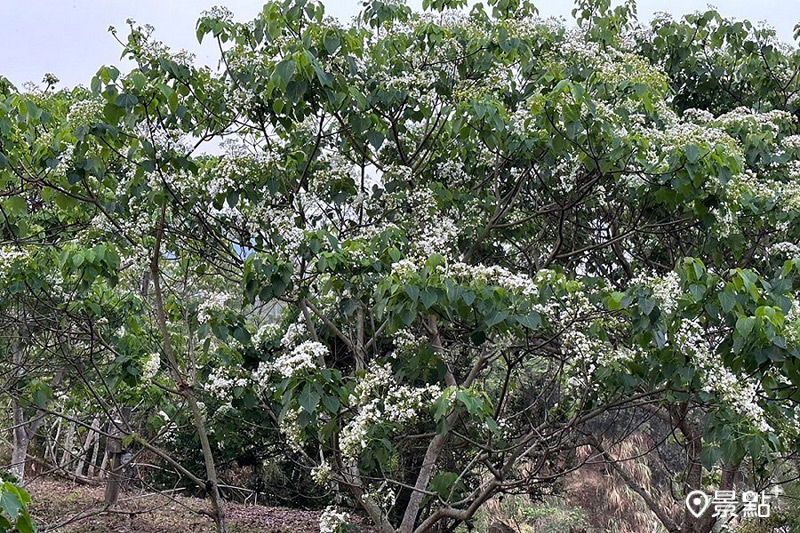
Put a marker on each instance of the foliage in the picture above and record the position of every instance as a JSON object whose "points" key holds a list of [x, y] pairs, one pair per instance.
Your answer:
{"points": [[439, 253], [14, 506]]}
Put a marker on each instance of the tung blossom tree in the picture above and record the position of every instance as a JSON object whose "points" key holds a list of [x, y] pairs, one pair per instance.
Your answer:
{"points": [[435, 253]]}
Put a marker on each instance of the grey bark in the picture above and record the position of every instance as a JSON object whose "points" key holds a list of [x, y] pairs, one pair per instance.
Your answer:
{"points": [[115, 450], [186, 389]]}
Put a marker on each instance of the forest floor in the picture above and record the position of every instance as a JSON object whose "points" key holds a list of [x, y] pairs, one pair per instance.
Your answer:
{"points": [[71, 508]]}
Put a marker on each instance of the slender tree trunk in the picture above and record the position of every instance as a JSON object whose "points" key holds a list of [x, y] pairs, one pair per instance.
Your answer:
{"points": [[92, 470], [19, 453], [693, 433], [186, 389], [104, 462], [434, 447], [52, 443], [114, 447], [87, 446], [66, 457], [375, 512], [24, 428]]}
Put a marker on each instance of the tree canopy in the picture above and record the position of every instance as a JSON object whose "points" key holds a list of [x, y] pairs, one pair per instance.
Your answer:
{"points": [[427, 255]]}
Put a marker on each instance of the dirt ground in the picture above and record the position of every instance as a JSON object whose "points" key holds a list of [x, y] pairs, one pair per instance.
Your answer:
{"points": [[67, 507]]}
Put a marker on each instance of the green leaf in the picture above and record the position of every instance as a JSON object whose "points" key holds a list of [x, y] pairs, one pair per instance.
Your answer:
{"points": [[309, 399], [647, 305], [442, 483], [710, 456], [42, 394], [375, 138], [745, 325], [428, 297], [412, 291], [332, 43], [324, 78], [10, 504], [15, 206], [615, 300], [126, 100], [285, 69], [24, 524], [331, 403], [727, 300], [473, 404], [531, 321], [478, 336], [692, 153], [296, 89]]}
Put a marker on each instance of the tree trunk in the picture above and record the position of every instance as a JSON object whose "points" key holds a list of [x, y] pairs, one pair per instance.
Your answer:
{"points": [[66, 457], [92, 470], [91, 434], [115, 450], [434, 447], [693, 434], [19, 453], [104, 463], [184, 386]]}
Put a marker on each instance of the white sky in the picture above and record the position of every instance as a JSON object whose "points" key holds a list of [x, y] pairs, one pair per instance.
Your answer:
{"points": [[70, 37]]}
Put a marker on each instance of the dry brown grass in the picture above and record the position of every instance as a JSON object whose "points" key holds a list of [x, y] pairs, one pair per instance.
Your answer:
{"points": [[72, 508], [601, 490]]}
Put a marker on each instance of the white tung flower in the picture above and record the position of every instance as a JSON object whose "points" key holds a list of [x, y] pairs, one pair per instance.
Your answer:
{"points": [[322, 473], [150, 366], [209, 303], [379, 399], [303, 357], [333, 521]]}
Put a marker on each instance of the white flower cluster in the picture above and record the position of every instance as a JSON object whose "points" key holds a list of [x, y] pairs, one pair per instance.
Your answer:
{"points": [[333, 521], [452, 173], [166, 140], [792, 331], [10, 255], [223, 178], [738, 392], [495, 275], [429, 228], [210, 301], [791, 143], [261, 375], [666, 289], [303, 357], [406, 343], [727, 223], [404, 268], [745, 117], [786, 250], [584, 352], [84, 112], [786, 194], [150, 366], [294, 333], [220, 384], [322, 474], [266, 332], [663, 143], [382, 495], [292, 431], [379, 399]]}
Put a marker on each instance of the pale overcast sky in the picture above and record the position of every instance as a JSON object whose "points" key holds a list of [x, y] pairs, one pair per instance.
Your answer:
{"points": [[70, 37]]}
